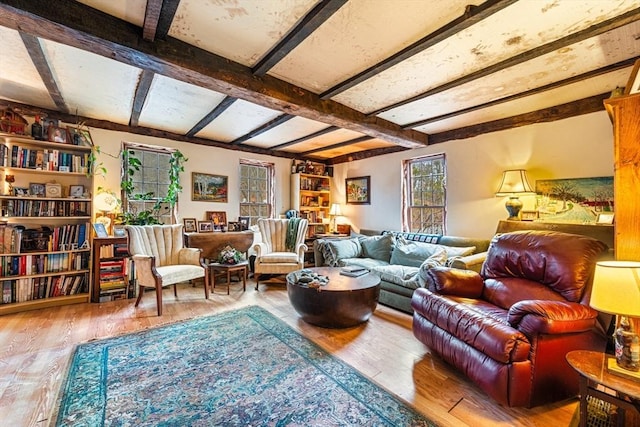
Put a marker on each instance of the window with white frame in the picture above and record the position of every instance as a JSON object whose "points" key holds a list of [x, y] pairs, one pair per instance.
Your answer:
{"points": [[150, 182], [424, 195], [257, 196]]}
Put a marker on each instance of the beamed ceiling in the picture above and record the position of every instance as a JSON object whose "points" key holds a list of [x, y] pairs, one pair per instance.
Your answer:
{"points": [[331, 80]]}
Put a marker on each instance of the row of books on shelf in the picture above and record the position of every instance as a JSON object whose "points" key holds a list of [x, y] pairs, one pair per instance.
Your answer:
{"points": [[49, 159], [43, 208], [26, 265], [312, 216], [114, 250], [15, 238], [22, 290], [314, 184]]}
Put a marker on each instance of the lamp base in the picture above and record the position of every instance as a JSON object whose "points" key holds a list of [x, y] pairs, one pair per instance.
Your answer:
{"points": [[513, 206]]}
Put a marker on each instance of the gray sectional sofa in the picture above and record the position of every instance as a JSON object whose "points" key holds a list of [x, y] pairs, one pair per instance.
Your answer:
{"points": [[398, 258]]}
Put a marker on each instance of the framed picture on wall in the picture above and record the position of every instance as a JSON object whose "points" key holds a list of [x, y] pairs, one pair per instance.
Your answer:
{"points": [[209, 188], [358, 190]]}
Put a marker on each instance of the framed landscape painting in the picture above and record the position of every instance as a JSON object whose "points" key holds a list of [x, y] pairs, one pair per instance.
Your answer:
{"points": [[358, 190], [574, 200], [209, 188]]}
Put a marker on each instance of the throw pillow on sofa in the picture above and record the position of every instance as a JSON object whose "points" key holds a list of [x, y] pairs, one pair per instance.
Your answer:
{"points": [[335, 250], [431, 248], [377, 247], [415, 253]]}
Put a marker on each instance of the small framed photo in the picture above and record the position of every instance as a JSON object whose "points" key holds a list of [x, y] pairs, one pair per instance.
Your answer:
{"points": [[100, 229], [76, 191], [57, 134], [528, 215], [244, 222], [190, 225], [320, 229], [218, 218], [234, 226], [79, 136], [205, 227], [37, 190], [20, 191], [605, 218], [53, 190], [46, 124], [119, 231]]}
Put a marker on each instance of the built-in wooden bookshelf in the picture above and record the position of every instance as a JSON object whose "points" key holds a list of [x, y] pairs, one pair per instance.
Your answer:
{"points": [[112, 270], [45, 224], [311, 197]]}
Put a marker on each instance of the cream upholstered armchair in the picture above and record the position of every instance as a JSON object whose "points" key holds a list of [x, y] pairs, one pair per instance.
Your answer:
{"points": [[282, 247], [160, 259]]}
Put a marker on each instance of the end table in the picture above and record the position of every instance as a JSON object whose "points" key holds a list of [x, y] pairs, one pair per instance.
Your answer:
{"points": [[221, 269]]}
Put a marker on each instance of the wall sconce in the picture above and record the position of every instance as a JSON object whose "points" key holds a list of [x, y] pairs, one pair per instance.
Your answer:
{"points": [[616, 290], [514, 184], [333, 213]]}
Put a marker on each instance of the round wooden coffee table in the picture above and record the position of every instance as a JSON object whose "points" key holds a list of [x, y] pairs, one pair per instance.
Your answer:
{"points": [[344, 302]]}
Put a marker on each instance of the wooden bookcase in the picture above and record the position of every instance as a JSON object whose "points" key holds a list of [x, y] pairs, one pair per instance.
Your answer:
{"points": [[45, 251], [111, 270], [311, 197]]}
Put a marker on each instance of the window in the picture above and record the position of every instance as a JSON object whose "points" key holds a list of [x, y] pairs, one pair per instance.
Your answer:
{"points": [[150, 183], [424, 195], [257, 197]]}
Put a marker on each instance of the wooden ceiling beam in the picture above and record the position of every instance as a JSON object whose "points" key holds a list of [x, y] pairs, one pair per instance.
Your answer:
{"points": [[262, 129], [472, 15], [219, 109], [42, 66], [366, 154], [592, 31], [316, 17], [337, 145], [74, 24], [306, 137], [167, 13], [142, 90], [151, 18]]}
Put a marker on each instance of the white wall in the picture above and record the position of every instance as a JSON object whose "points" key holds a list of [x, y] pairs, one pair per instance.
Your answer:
{"points": [[577, 147], [204, 159]]}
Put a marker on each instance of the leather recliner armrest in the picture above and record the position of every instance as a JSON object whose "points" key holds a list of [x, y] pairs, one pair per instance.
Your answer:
{"points": [[453, 281], [551, 317]]}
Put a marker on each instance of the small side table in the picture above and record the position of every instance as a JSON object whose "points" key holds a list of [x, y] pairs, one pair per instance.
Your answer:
{"points": [[221, 269], [592, 367]]}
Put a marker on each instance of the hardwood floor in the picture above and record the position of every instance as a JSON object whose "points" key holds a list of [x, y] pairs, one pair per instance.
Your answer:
{"points": [[36, 348]]}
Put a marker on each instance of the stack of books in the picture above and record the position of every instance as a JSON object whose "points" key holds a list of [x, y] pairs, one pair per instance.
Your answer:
{"points": [[353, 270]]}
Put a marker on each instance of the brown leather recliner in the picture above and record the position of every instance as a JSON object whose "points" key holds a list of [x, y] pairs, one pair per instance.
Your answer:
{"points": [[509, 327]]}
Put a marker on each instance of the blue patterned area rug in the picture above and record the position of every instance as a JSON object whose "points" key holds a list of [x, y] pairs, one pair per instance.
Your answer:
{"points": [[240, 368]]}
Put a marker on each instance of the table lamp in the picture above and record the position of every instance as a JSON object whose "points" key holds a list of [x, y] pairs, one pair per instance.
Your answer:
{"points": [[616, 290], [333, 213], [105, 202], [514, 184]]}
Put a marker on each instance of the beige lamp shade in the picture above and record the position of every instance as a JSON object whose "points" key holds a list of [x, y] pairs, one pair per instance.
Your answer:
{"points": [[616, 288], [105, 202], [335, 209], [514, 182]]}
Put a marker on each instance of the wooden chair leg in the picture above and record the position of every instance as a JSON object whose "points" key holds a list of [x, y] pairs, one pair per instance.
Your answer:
{"points": [[159, 298], [257, 277], [206, 283], [175, 290], [140, 292]]}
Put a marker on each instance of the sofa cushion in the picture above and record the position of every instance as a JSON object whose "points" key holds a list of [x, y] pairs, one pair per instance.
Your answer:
{"points": [[400, 275], [335, 250], [367, 263], [415, 253], [377, 247]]}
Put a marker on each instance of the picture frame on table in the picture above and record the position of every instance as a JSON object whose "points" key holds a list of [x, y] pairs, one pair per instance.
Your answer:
{"points": [[605, 218], [20, 191], [37, 190], [119, 231], [218, 218], [244, 222], [529, 215], [205, 227], [76, 191], [100, 230], [234, 226], [358, 190], [190, 225]]}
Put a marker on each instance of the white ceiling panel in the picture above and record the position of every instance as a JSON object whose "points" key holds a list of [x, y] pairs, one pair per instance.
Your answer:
{"points": [[360, 34], [176, 106], [132, 11], [559, 65], [295, 128], [480, 46], [19, 79], [240, 30], [239, 119], [92, 85], [559, 96]]}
